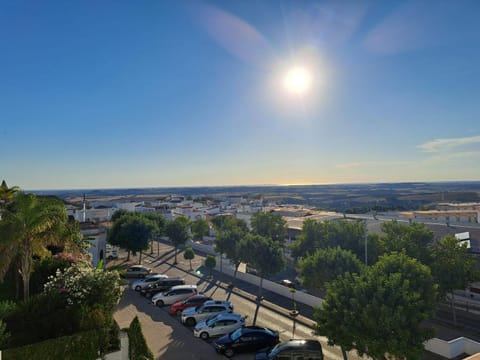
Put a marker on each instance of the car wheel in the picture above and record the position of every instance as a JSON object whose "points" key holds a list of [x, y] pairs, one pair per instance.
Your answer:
{"points": [[179, 313], [204, 335], [138, 288], [160, 303], [190, 322], [229, 353]]}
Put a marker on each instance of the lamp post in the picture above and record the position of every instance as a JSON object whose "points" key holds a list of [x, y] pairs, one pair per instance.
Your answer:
{"points": [[294, 313]]}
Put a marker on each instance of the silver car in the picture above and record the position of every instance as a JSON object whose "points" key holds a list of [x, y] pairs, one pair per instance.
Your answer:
{"points": [[149, 280], [221, 324], [193, 315]]}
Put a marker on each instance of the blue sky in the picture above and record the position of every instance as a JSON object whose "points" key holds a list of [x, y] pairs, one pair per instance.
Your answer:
{"points": [[112, 94]]}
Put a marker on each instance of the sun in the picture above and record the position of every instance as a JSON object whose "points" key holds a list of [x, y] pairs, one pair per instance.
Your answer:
{"points": [[298, 80]]}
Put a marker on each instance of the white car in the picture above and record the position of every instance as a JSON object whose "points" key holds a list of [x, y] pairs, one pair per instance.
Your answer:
{"points": [[193, 315], [149, 280], [176, 293], [221, 324]]}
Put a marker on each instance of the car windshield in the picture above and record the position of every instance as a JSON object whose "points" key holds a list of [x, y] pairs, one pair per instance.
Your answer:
{"points": [[236, 334], [211, 321]]}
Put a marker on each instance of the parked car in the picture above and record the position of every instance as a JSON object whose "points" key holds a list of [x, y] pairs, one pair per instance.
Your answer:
{"points": [[147, 281], [293, 349], [221, 324], [192, 301], [136, 271], [246, 339], [161, 285], [176, 293], [193, 315]]}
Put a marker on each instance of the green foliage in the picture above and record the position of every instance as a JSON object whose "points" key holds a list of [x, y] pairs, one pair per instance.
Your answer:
{"points": [[414, 239], [138, 348], [266, 254], [348, 235], [189, 254], [27, 226], [81, 346], [324, 265], [210, 262], [269, 225], [452, 266], [228, 241], [200, 229], [177, 231], [159, 220], [132, 231], [43, 269], [4, 334], [379, 311]]}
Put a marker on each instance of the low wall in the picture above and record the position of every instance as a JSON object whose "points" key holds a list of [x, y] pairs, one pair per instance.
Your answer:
{"points": [[226, 268], [453, 348]]}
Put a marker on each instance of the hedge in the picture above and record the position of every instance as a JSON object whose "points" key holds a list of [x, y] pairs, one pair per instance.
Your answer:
{"points": [[138, 348], [81, 346]]}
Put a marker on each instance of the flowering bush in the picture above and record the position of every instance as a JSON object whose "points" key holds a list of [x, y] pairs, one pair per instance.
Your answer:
{"points": [[83, 286]]}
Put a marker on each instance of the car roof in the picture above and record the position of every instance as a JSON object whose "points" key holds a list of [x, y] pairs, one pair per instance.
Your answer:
{"points": [[138, 267], [183, 287], [217, 302], [249, 329], [304, 344], [223, 316]]}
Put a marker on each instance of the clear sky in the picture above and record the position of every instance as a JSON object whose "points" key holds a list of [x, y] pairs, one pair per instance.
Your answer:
{"points": [[112, 94]]}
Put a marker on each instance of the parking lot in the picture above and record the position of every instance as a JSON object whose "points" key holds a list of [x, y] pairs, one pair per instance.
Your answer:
{"points": [[169, 339]]}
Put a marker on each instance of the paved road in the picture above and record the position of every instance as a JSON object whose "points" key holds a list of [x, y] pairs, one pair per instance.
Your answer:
{"points": [[169, 339]]}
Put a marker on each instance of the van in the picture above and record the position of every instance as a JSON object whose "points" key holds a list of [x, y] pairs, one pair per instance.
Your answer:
{"points": [[112, 252]]}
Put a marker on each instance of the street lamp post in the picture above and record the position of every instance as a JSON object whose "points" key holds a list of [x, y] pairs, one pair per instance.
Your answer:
{"points": [[294, 313]]}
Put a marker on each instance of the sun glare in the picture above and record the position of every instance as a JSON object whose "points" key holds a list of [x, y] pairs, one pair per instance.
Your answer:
{"points": [[298, 80]]}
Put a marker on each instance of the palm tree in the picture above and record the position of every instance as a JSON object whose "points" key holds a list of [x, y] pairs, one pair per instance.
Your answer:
{"points": [[25, 229]]}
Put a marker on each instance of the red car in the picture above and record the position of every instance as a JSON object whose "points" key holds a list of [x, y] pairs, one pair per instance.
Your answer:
{"points": [[194, 300]]}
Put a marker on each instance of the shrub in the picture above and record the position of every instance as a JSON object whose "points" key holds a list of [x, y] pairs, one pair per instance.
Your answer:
{"points": [[43, 269], [138, 348]]}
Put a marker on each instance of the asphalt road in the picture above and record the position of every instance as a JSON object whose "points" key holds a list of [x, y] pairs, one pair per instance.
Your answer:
{"points": [[169, 339]]}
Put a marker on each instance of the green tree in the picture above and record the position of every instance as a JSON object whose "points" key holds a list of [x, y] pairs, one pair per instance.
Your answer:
{"points": [[324, 265], [132, 232], [189, 255], [379, 311], [29, 225], [7, 194], [269, 225], [177, 232], [210, 263], [414, 239], [200, 229], [453, 268], [227, 241], [161, 223]]}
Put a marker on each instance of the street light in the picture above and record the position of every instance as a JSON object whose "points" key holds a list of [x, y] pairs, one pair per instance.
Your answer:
{"points": [[294, 313]]}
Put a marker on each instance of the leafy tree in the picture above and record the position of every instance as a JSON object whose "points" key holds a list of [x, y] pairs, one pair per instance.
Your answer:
{"points": [[324, 265], [228, 241], [453, 268], [348, 235], [177, 231], [266, 256], [415, 239], [210, 263], [30, 224], [7, 194], [132, 231], [161, 223], [269, 225], [200, 229], [379, 311], [189, 254]]}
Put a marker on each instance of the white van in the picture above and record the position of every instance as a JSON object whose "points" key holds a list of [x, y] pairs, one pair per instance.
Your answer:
{"points": [[176, 293], [112, 252]]}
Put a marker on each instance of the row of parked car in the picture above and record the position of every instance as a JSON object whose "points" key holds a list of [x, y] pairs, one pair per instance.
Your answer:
{"points": [[216, 318]]}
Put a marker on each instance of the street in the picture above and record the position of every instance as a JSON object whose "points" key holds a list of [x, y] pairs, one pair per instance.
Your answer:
{"points": [[169, 339]]}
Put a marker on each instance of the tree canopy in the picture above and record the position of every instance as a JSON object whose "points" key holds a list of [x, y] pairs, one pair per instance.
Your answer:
{"points": [[324, 265], [200, 228], [379, 311], [269, 225], [177, 232], [28, 225]]}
